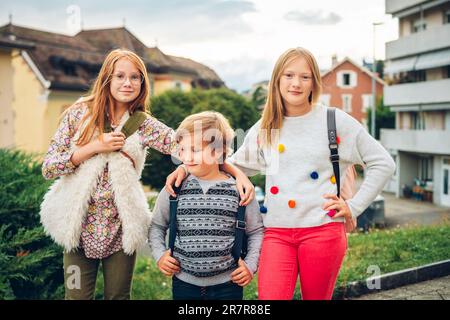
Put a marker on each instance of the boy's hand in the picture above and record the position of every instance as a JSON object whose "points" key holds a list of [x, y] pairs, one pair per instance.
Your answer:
{"points": [[242, 275], [168, 264], [176, 178]]}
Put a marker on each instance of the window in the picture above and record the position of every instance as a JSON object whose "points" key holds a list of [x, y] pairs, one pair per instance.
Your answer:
{"points": [[419, 25], [447, 17], [420, 75], [346, 79], [445, 182], [418, 121], [178, 85], [447, 72], [367, 102], [347, 103], [416, 76], [426, 169]]}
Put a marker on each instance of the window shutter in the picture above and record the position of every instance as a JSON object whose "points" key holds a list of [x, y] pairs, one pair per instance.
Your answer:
{"points": [[339, 78], [353, 79]]}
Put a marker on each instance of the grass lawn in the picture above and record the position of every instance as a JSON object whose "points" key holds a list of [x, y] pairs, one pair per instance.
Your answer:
{"points": [[390, 250]]}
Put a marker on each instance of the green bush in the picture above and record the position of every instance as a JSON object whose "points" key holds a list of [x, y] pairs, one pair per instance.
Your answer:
{"points": [[30, 263]]}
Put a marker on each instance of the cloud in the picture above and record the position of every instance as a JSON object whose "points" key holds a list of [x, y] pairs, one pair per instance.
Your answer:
{"points": [[170, 21], [313, 17], [242, 72], [196, 21]]}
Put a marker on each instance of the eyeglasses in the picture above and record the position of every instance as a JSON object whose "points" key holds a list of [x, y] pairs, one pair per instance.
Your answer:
{"points": [[135, 79]]}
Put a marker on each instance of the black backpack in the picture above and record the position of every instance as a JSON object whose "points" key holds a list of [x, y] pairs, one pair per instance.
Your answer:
{"points": [[240, 245]]}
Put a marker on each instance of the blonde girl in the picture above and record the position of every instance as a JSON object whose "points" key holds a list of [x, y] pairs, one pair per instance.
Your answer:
{"points": [[304, 219]]}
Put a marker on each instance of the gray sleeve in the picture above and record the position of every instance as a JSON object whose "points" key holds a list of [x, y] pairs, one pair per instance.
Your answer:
{"points": [[159, 225], [255, 232], [379, 167], [249, 158]]}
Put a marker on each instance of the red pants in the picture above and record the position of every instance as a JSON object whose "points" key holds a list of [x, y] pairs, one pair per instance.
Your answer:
{"points": [[316, 253]]}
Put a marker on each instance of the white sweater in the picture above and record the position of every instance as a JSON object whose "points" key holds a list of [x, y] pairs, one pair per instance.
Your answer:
{"points": [[298, 202]]}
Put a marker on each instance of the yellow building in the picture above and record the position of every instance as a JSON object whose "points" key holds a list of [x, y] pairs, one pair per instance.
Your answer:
{"points": [[42, 73]]}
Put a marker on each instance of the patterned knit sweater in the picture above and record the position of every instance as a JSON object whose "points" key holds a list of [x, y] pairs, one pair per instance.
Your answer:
{"points": [[206, 220]]}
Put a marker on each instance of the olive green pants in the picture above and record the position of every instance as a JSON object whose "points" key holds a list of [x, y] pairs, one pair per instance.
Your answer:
{"points": [[80, 275]]}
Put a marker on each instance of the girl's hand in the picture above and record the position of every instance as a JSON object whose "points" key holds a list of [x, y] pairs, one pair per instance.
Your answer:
{"points": [[168, 264], [242, 275], [112, 141], [246, 189], [338, 205], [176, 178]]}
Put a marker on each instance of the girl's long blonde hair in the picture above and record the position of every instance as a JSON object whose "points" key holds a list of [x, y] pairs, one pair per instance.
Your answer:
{"points": [[274, 110], [100, 101]]}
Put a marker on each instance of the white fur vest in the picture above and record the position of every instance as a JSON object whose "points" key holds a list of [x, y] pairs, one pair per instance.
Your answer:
{"points": [[65, 204]]}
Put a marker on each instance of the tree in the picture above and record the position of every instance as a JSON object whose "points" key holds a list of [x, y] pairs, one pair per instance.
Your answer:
{"points": [[259, 97], [172, 107], [384, 118], [30, 262]]}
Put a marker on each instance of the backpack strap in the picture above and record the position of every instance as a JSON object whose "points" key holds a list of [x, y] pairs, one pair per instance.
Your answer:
{"points": [[240, 242], [333, 145], [173, 218], [131, 125]]}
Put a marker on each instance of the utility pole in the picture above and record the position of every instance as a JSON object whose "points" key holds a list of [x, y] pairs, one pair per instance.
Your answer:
{"points": [[374, 88]]}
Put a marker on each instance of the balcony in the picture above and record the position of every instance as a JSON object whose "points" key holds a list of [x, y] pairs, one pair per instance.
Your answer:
{"points": [[427, 92], [432, 39], [422, 141], [393, 6]]}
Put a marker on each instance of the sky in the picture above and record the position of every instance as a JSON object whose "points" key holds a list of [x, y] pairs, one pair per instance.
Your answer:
{"points": [[239, 39]]}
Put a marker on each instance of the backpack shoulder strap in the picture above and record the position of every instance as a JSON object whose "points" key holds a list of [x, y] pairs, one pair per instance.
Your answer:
{"points": [[240, 244], [173, 217], [133, 123], [333, 145]]}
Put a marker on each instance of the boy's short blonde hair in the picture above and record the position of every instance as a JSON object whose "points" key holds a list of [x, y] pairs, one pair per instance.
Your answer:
{"points": [[213, 127]]}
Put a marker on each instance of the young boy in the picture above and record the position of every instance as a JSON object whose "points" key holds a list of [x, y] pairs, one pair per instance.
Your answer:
{"points": [[202, 266]]}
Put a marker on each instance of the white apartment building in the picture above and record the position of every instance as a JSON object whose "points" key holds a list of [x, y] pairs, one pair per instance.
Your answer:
{"points": [[418, 91]]}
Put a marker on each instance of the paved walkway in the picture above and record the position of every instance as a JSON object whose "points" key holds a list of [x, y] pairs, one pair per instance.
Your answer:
{"points": [[400, 211], [436, 289]]}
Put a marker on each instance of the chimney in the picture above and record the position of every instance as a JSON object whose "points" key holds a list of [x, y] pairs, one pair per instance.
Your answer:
{"points": [[334, 60]]}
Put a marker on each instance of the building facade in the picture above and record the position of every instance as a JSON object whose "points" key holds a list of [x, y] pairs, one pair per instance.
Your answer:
{"points": [[348, 86], [42, 73], [418, 76]]}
